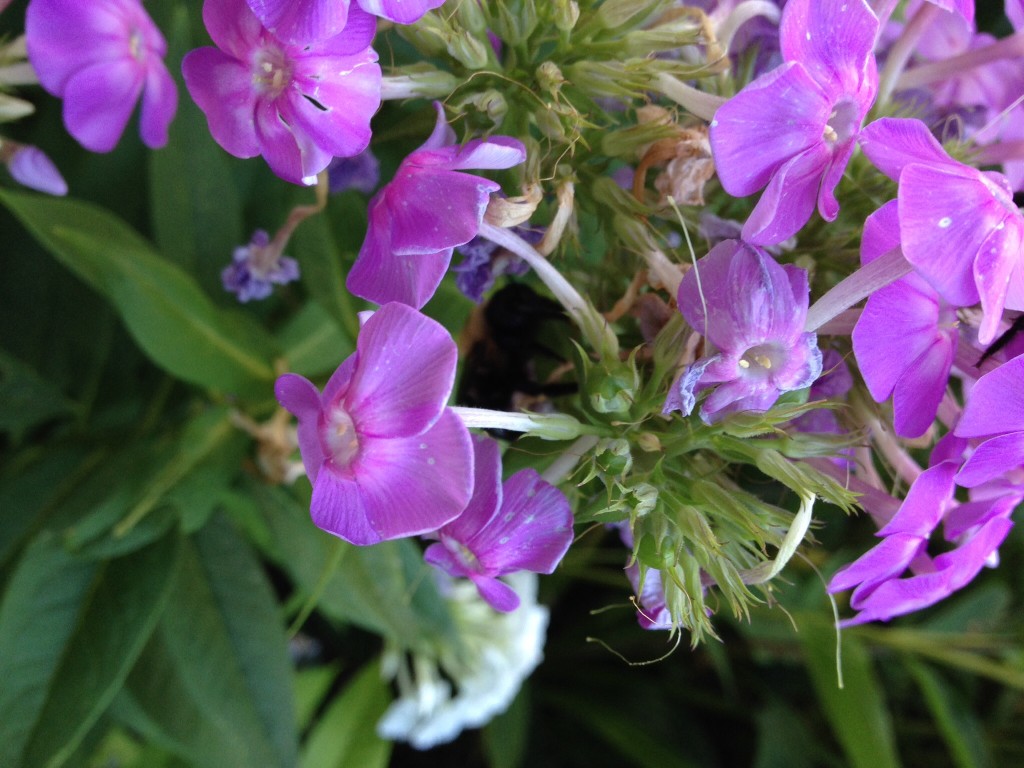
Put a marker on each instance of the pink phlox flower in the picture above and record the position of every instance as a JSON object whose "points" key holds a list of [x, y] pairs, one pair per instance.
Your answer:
{"points": [[523, 524], [100, 57], [428, 209], [386, 457], [793, 130], [978, 528], [994, 413], [958, 225], [299, 106], [752, 311], [307, 21], [906, 338]]}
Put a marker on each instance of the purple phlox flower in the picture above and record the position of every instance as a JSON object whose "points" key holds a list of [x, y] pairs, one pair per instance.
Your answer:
{"points": [[99, 57], [385, 456], [906, 338], [793, 130], [958, 226], [256, 267], [523, 524], [299, 106], [994, 412], [30, 167], [1015, 13], [752, 311], [715, 229], [308, 21], [483, 262], [428, 209], [978, 528], [360, 172]]}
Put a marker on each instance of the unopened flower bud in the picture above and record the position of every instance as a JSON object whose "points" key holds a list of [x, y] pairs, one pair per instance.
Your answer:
{"points": [[511, 211], [566, 13], [469, 50], [614, 457]]}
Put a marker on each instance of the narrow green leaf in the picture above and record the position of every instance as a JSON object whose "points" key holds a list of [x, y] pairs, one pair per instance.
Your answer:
{"points": [[168, 315], [385, 588], [37, 618], [226, 654], [505, 736], [195, 206], [322, 275], [345, 735], [311, 686], [313, 342], [123, 607], [958, 726], [857, 712], [27, 399]]}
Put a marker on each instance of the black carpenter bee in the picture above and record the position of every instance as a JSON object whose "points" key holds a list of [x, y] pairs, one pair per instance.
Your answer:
{"points": [[501, 346]]}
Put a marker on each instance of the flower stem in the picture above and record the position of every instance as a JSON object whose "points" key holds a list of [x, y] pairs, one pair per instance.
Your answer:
{"points": [[1011, 47], [547, 426], [903, 49], [703, 105], [886, 269], [593, 326], [566, 463]]}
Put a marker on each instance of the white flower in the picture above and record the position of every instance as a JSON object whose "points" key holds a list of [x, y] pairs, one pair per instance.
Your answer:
{"points": [[496, 653]]}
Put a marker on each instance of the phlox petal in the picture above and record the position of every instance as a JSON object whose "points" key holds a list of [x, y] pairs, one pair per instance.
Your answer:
{"points": [[920, 389], [992, 459], [789, 199], [400, 11], [886, 560], [405, 373], [278, 145], [995, 404], [98, 101], [298, 396], [232, 26], [487, 493], [338, 507], [893, 143], [301, 21], [495, 153], [221, 87], [65, 36], [499, 595], [159, 103], [415, 485], [834, 41], [782, 114]]}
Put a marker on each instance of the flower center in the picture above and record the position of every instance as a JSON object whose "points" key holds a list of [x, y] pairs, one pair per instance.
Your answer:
{"points": [[341, 437], [843, 123], [272, 70], [462, 552], [135, 44], [760, 361]]}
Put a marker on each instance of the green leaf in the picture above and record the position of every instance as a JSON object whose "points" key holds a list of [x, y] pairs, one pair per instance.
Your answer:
{"points": [[37, 618], [195, 206], [124, 603], [857, 712], [385, 588], [313, 343], [221, 659], [958, 726], [27, 399], [311, 686], [165, 311], [345, 734], [322, 274], [505, 736]]}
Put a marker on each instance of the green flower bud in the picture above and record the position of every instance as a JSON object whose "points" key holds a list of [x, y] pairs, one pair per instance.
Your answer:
{"points": [[614, 457], [566, 13], [469, 50], [471, 16], [615, 13]]}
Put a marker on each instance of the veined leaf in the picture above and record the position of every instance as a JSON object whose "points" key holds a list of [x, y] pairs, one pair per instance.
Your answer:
{"points": [[168, 315], [125, 600], [218, 677]]}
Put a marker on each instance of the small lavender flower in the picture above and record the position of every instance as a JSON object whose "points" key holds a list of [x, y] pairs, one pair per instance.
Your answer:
{"points": [[360, 172], [483, 262], [428, 209], [752, 311], [386, 457], [299, 106], [256, 267], [523, 524], [100, 57], [958, 226], [308, 21], [794, 129], [911, 313], [977, 527]]}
